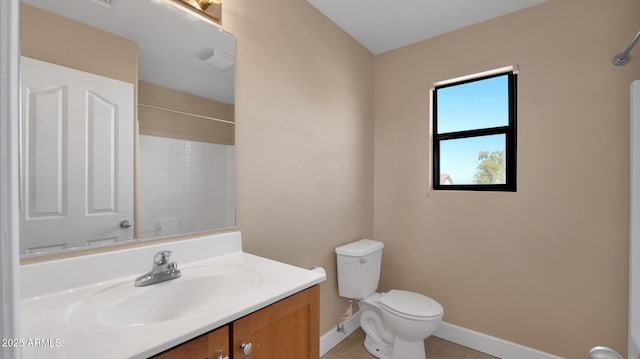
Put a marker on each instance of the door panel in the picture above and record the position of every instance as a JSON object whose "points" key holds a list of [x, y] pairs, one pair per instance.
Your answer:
{"points": [[101, 154], [45, 125]]}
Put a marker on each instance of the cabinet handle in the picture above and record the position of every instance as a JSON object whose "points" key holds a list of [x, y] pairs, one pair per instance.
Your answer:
{"points": [[246, 348]]}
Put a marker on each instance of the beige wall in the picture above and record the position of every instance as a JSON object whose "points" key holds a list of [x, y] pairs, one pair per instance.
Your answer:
{"points": [[157, 122], [84, 47], [546, 267], [304, 135]]}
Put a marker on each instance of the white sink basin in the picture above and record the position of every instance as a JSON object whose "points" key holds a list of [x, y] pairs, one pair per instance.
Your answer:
{"points": [[87, 301], [198, 290]]}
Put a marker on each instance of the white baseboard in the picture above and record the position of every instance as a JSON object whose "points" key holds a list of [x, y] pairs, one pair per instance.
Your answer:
{"points": [[469, 338], [333, 337], [490, 345]]}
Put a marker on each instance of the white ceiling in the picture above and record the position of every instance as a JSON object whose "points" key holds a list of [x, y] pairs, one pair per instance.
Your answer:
{"points": [[383, 25], [171, 42]]}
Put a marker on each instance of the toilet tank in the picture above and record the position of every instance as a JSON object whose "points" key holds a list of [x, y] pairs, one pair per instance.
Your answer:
{"points": [[359, 268]]}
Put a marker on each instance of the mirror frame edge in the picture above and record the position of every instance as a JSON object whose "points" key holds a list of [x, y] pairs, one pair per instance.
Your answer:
{"points": [[9, 183]]}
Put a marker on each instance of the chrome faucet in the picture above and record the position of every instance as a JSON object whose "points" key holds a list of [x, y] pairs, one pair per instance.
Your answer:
{"points": [[162, 270]]}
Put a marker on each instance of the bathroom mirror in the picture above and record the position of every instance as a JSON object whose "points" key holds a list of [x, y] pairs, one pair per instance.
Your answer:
{"points": [[127, 124]]}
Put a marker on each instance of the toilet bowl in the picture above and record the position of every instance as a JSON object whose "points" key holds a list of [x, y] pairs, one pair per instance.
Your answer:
{"points": [[397, 322], [390, 334], [412, 318], [378, 340]]}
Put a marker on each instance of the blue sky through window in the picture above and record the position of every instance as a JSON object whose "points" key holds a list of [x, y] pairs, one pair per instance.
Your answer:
{"points": [[471, 106], [459, 157]]}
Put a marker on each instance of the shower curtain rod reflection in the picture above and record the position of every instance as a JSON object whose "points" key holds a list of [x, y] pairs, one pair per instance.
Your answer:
{"points": [[623, 57], [186, 113]]}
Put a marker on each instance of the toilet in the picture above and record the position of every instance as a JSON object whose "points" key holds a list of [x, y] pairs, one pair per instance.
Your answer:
{"points": [[397, 322]]}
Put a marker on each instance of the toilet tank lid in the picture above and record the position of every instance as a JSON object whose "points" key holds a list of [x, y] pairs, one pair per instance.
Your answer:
{"points": [[359, 248]]}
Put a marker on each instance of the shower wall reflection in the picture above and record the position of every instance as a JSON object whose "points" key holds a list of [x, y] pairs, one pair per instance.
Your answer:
{"points": [[186, 186], [186, 163]]}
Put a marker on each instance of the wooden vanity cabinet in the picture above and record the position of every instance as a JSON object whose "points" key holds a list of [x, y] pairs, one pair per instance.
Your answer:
{"points": [[213, 345], [287, 329]]}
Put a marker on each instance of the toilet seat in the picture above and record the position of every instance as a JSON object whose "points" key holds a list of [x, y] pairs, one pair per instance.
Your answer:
{"points": [[410, 305]]}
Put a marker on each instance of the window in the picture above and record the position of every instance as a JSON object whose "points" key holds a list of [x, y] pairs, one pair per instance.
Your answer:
{"points": [[474, 133]]}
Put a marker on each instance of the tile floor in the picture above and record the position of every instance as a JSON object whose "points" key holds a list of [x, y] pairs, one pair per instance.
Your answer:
{"points": [[353, 348]]}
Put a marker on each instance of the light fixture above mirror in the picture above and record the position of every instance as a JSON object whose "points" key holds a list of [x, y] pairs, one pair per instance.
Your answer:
{"points": [[202, 5], [208, 8]]}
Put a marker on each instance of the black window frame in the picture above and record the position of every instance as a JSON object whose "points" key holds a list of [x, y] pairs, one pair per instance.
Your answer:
{"points": [[509, 131]]}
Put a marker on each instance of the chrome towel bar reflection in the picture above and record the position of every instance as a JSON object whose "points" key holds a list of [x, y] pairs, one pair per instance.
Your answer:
{"points": [[623, 57], [186, 113]]}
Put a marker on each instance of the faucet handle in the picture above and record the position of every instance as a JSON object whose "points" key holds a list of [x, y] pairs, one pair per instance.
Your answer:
{"points": [[161, 257]]}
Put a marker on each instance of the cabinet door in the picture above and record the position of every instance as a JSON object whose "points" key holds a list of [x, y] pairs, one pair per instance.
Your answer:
{"points": [[213, 345], [288, 329], [219, 343]]}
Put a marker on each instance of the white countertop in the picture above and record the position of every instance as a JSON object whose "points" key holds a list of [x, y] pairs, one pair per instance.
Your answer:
{"points": [[53, 327]]}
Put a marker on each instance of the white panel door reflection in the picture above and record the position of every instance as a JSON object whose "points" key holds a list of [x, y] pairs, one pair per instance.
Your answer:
{"points": [[76, 158]]}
